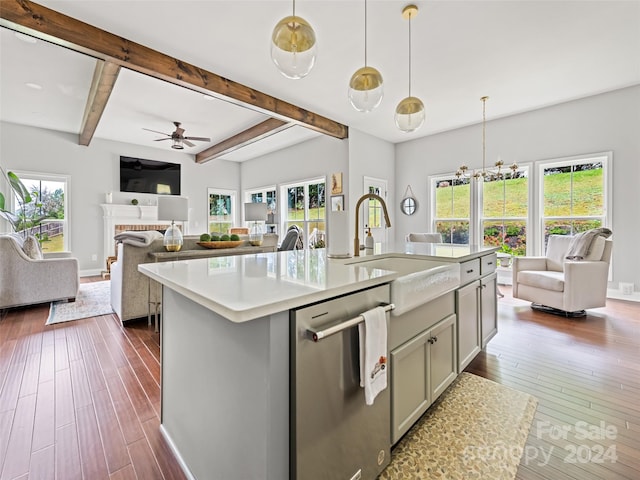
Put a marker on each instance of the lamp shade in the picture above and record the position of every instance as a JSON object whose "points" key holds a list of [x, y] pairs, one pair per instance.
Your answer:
{"points": [[255, 212], [172, 208]]}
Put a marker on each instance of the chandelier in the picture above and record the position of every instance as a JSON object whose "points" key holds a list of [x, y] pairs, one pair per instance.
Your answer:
{"points": [[495, 173]]}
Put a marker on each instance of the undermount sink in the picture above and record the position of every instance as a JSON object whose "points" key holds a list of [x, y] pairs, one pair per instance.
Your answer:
{"points": [[421, 280]]}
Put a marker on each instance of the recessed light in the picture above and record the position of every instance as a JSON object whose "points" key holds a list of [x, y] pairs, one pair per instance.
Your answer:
{"points": [[25, 38], [35, 86]]}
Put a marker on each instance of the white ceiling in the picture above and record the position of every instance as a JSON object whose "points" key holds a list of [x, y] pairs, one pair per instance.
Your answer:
{"points": [[522, 54]]}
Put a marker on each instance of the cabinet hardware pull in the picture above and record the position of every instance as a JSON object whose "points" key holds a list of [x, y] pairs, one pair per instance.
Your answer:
{"points": [[435, 339], [489, 263], [470, 271], [317, 335]]}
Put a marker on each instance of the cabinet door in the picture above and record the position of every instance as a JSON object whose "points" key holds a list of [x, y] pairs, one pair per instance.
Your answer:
{"points": [[409, 384], [468, 323], [442, 356], [489, 308]]}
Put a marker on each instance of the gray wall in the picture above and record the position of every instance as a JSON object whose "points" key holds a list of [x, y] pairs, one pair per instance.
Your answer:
{"points": [[606, 122], [94, 170]]}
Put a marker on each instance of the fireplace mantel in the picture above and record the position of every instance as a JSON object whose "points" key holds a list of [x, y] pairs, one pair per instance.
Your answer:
{"points": [[115, 214]]}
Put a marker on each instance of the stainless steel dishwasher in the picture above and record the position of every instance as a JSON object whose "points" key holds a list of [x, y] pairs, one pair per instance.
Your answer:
{"points": [[334, 434]]}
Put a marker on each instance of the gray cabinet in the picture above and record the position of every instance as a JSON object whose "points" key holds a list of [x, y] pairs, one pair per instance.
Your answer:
{"points": [[476, 306], [468, 308], [488, 307], [421, 369]]}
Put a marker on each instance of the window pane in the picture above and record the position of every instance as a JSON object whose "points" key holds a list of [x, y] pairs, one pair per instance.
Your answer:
{"points": [[453, 231], [510, 235], [588, 189], [295, 210], [316, 201], [375, 209]]}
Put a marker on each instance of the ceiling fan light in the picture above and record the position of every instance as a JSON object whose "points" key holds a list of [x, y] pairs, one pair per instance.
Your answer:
{"points": [[410, 114], [177, 144], [365, 89], [293, 47]]}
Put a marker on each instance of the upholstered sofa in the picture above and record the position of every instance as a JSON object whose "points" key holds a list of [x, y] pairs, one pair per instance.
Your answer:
{"points": [[131, 291], [27, 280], [568, 286]]}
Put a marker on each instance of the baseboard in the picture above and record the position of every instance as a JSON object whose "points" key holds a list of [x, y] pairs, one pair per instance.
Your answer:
{"points": [[618, 295], [90, 273]]}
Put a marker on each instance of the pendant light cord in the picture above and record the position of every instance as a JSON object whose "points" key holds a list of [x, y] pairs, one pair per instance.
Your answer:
{"points": [[365, 33], [410, 54], [294, 8], [484, 126]]}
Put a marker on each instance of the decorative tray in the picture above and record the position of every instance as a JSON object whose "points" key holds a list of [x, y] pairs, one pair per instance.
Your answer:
{"points": [[220, 244]]}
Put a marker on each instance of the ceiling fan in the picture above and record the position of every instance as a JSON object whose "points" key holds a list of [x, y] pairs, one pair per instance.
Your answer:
{"points": [[177, 138]]}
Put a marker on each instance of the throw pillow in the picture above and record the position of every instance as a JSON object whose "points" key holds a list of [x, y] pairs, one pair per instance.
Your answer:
{"points": [[31, 247]]}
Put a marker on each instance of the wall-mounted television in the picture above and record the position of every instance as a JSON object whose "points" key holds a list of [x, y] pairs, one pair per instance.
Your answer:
{"points": [[149, 176]]}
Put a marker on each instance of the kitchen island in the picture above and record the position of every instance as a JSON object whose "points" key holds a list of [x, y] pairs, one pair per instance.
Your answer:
{"points": [[225, 350]]}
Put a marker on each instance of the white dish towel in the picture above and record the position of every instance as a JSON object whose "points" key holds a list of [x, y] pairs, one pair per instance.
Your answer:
{"points": [[373, 353]]}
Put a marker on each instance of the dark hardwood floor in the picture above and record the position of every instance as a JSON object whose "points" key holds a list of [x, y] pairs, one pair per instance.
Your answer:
{"points": [[81, 400]]}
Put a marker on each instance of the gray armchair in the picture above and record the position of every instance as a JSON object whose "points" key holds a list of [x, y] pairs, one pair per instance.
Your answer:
{"points": [[557, 285], [26, 281]]}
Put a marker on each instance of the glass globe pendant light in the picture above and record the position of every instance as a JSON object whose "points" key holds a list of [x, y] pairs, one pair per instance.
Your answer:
{"points": [[410, 112], [293, 46], [365, 86]]}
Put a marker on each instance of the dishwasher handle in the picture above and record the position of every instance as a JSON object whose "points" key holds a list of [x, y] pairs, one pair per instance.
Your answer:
{"points": [[317, 335]]}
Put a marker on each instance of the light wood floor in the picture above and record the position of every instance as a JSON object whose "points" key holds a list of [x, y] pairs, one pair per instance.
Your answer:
{"points": [[82, 399]]}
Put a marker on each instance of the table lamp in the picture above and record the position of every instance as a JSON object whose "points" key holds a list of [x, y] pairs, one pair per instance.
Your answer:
{"points": [[255, 212], [174, 209]]}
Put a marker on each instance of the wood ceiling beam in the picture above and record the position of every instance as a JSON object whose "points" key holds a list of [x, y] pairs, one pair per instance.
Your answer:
{"points": [[250, 135], [34, 19], [104, 78]]}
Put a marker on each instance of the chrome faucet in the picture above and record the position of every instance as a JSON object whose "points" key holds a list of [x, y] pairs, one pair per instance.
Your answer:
{"points": [[356, 241]]}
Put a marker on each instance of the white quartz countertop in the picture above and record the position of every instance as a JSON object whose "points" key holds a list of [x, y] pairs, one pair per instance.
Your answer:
{"points": [[246, 287]]}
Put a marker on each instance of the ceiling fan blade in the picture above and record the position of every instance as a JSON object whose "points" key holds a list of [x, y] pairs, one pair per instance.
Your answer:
{"points": [[155, 131], [161, 139], [188, 143], [199, 139]]}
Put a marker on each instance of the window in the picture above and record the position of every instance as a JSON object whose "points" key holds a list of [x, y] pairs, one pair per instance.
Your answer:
{"points": [[306, 208], [265, 195], [51, 205], [573, 195], [373, 214], [505, 209], [222, 210], [451, 200]]}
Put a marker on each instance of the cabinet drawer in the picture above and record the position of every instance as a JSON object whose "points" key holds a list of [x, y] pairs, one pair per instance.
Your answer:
{"points": [[488, 264], [469, 271]]}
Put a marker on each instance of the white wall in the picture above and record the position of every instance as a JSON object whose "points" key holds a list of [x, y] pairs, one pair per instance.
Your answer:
{"points": [[606, 122], [370, 157], [94, 170]]}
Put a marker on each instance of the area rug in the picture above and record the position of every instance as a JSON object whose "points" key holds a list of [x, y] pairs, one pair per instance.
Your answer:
{"points": [[93, 299], [476, 429]]}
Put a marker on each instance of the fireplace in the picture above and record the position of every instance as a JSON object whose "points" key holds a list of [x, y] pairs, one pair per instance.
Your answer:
{"points": [[120, 218]]}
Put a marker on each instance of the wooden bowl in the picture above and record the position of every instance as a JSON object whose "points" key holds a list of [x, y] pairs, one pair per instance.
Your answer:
{"points": [[221, 244]]}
